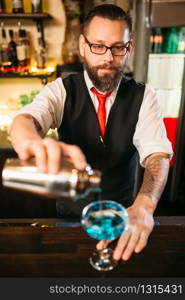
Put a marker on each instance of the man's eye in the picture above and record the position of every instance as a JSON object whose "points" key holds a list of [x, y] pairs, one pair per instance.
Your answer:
{"points": [[119, 48], [98, 47]]}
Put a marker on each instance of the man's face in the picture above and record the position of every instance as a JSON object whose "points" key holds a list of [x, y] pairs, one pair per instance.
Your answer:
{"points": [[104, 70]]}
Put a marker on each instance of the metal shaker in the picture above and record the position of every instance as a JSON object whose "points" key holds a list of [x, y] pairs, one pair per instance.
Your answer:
{"points": [[68, 183]]}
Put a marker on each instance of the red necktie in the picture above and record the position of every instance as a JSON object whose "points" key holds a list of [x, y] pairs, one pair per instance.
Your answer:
{"points": [[101, 113]]}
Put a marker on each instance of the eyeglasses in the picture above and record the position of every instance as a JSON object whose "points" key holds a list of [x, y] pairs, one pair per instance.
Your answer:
{"points": [[117, 50]]}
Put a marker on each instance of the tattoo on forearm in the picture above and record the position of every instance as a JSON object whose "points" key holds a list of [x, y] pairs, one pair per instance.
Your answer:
{"points": [[155, 176]]}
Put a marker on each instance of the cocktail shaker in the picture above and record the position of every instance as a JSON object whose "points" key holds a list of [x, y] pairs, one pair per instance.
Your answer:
{"points": [[68, 183]]}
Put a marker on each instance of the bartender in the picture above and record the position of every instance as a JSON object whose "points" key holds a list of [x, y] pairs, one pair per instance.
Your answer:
{"points": [[106, 119]]}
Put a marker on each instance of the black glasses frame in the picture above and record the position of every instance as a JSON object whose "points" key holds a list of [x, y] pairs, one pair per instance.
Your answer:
{"points": [[126, 46]]}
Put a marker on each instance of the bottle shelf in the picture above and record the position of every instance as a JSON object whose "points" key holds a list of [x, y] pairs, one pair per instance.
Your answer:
{"points": [[38, 18], [35, 16]]}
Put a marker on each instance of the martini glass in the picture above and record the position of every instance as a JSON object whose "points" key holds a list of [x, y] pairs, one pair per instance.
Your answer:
{"points": [[104, 220]]}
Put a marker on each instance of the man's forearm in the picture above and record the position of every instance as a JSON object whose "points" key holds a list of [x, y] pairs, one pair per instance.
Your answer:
{"points": [[141, 221], [154, 181], [23, 127]]}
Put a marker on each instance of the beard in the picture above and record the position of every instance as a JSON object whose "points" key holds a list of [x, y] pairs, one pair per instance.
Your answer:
{"points": [[106, 82]]}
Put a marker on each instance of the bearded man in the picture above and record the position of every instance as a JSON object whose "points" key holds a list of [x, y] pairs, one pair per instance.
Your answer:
{"points": [[106, 119]]}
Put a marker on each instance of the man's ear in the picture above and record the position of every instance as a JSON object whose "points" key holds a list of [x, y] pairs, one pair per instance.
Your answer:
{"points": [[81, 45], [130, 47]]}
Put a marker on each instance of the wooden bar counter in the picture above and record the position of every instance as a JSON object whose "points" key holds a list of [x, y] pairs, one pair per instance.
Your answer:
{"points": [[49, 248]]}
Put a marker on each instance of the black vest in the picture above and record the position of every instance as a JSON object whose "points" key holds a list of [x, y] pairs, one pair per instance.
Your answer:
{"points": [[115, 155]]}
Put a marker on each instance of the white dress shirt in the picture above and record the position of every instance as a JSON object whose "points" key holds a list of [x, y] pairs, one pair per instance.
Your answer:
{"points": [[150, 134]]}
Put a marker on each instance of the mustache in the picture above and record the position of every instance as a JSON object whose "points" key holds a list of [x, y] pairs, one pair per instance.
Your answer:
{"points": [[107, 66]]}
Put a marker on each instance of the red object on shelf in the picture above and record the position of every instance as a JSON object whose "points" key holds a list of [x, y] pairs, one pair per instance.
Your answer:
{"points": [[171, 128]]}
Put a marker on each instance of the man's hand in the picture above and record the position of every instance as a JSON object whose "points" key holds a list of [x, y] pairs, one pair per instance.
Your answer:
{"points": [[135, 238], [49, 153]]}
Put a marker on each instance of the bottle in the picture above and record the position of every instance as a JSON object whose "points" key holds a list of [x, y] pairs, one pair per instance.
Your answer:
{"points": [[6, 64], [36, 6], [172, 41], [157, 41], [151, 41], [2, 6], [17, 6], [161, 39], [23, 52], [68, 183], [181, 42], [12, 50], [40, 54]]}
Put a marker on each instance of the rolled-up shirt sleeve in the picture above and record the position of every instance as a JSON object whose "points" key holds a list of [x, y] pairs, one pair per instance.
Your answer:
{"points": [[150, 134], [48, 106]]}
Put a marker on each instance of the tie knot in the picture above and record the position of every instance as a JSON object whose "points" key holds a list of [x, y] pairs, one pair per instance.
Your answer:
{"points": [[101, 97]]}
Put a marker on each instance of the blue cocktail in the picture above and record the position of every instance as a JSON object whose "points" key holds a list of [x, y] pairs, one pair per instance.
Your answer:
{"points": [[104, 220]]}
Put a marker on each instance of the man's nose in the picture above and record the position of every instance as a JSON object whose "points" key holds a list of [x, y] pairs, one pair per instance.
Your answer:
{"points": [[108, 55]]}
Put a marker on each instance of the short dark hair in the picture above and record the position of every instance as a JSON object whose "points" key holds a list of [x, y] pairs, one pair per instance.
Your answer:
{"points": [[109, 11]]}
